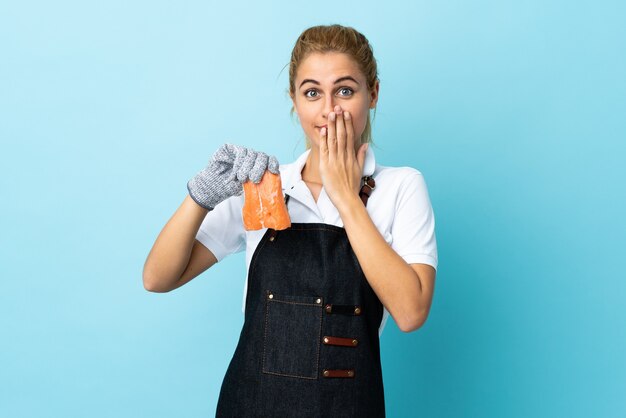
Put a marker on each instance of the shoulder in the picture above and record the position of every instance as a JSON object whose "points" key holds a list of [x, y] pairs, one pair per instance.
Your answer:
{"points": [[398, 179], [399, 189], [395, 173]]}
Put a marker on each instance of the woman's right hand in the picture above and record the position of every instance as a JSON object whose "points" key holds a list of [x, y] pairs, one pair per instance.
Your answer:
{"points": [[230, 167]]}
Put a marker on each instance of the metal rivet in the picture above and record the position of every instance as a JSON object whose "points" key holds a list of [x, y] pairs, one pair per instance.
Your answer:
{"points": [[357, 311], [272, 238], [355, 342], [318, 300], [350, 373], [326, 373], [326, 340], [270, 296]]}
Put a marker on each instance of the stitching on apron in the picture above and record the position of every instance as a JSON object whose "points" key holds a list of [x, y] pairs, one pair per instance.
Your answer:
{"points": [[291, 375], [265, 333], [317, 356], [316, 229], [295, 303]]}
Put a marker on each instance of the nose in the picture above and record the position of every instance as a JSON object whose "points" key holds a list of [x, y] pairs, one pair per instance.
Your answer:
{"points": [[329, 105]]}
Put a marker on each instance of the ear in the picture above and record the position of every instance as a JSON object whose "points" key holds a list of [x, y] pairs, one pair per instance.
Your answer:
{"points": [[293, 106], [374, 95]]}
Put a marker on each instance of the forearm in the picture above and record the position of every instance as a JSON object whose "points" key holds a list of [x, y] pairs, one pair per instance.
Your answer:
{"points": [[395, 283], [171, 251]]}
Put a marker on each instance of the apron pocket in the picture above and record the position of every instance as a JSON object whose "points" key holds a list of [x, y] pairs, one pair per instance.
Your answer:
{"points": [[292, 335]]}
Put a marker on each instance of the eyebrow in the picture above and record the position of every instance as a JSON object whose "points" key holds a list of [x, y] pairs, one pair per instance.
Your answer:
{"points": [[339, 80]]}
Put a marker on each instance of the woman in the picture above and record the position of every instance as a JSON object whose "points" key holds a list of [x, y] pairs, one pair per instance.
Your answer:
{"points": [[361, 246]]}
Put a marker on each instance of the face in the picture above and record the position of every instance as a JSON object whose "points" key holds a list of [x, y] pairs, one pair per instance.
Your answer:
{"points": [[326, 80]]}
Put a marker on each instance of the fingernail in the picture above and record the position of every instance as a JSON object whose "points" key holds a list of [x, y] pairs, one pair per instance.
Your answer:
{"points": [[346, 115], [338, 109], [323, 131]]}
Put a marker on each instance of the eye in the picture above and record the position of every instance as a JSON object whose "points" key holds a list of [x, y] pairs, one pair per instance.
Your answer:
{"points": [[306, 93], [348, 89]]}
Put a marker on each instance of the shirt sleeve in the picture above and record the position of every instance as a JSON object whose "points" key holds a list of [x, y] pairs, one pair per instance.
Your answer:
{"points": [[222, 230], [413, 228]]}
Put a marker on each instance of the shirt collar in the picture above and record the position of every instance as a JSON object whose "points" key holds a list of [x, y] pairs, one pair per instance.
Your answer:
{"points": [[291, 173]]}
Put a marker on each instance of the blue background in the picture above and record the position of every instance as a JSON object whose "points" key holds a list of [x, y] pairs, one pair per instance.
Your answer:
{"points": [[513, 111]]}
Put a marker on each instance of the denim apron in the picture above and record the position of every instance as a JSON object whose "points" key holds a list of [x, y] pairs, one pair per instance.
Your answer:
{"points": [[309, 344]]}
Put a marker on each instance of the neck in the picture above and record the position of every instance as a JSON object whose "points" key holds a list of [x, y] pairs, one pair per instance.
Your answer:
{"points": [[311, 170]]}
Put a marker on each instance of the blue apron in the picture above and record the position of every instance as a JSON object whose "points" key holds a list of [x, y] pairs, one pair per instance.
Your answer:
{"points": [[309, 344]]}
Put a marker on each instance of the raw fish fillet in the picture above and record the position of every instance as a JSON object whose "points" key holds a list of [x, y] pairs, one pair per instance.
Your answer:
{"points": [[264, 204]]}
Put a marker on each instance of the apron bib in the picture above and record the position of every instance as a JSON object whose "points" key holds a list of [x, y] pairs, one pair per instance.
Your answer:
{"points": [[309, 345]]}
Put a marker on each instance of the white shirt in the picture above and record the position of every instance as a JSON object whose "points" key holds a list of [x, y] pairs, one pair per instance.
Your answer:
{"points": [[399, 206]]}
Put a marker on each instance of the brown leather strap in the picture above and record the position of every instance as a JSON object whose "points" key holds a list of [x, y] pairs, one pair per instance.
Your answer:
{"points": [[338, 373], [368, 186], [346, 342], [343, 309]]}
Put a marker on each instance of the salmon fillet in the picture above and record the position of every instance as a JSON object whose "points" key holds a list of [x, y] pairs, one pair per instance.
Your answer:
{"points": [[264, 204]]}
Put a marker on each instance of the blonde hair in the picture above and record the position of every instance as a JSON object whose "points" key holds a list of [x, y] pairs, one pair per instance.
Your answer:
{"points": [[336, 38]]}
